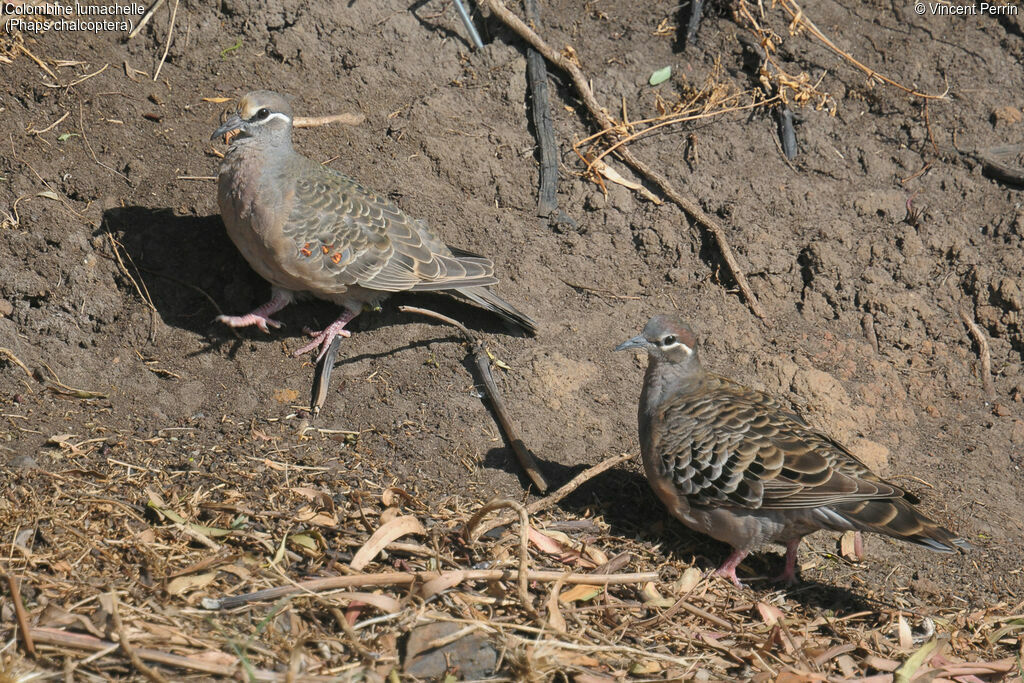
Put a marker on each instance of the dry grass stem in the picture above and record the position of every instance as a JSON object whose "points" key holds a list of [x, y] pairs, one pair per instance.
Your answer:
{"points": [[167, 43], [983, 353]]}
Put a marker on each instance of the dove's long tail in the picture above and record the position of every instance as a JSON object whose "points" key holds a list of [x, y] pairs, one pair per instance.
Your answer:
{"points": [[898, 518], [493, 302]]}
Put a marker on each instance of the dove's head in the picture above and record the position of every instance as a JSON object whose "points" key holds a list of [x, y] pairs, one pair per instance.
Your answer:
{"points": [[667, 339], [261, 114]]}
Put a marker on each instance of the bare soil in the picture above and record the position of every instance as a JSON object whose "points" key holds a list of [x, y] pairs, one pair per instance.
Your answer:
{"points": [[864, 333]]}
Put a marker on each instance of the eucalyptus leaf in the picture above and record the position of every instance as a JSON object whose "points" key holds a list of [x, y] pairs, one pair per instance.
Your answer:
{"points": [[661, 75]]}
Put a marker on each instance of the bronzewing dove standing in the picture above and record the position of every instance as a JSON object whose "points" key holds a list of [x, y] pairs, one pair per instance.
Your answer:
{"points": [[731, 463], [308, 229]]}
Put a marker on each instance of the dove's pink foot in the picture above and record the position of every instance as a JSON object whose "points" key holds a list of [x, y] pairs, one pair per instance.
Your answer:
{"points": [[324, 338], [728, 568], [788, 575], [259, 316]]}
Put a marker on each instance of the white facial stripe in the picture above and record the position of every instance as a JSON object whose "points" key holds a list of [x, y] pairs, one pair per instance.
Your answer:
{"points": [[685, 348], [275, 115]]}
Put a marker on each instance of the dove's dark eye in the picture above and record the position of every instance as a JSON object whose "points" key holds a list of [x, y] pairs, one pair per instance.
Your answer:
{"points": [[261, 114], [669, 340]]}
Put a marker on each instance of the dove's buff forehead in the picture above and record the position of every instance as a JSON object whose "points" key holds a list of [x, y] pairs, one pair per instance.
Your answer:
{"points": [[248, 106], [254, 101]]}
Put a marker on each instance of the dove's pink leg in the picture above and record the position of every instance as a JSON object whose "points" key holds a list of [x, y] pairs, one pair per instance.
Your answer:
{"points": [[259, 316], [728, 568], [324, 338], [788, 574]]}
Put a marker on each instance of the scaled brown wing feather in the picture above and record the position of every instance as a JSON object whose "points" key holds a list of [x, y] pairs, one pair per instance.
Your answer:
{"points": [[360, 238], [745, 451]]}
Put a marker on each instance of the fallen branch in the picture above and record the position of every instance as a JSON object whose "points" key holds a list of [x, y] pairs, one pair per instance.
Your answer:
{"points": [[598, 114], [14, 583], [983, 353], [483, 365], [537, 82], [454, 577], [312, 121]]}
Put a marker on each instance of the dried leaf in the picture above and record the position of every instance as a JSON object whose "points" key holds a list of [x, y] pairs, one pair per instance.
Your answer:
{"points": [[395, 529], [770, 614], [307, 515], [441, 583], [547, 543], [217, 100], [614, 176], [688, 581], [647, 668], [581, 593], [190, 582], [211, 531], [304, 541], [906, 637], [914, 662]]}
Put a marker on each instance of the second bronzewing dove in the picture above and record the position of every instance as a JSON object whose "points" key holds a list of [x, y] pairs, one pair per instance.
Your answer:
{"points": [[308, 229], [731, 463]]}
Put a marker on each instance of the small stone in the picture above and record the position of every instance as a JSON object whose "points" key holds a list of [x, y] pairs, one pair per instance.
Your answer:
{"points": [[1006, 116], [6, 308], [470, 657], [999, 410]]}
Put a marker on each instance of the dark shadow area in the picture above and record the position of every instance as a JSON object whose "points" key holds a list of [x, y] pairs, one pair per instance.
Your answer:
{"points": [[688, 24], [624, 498], [192, 272]]}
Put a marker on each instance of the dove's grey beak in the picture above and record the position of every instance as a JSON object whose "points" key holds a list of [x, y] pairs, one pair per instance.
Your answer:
{"points": [[637, 342], [234, 122]]}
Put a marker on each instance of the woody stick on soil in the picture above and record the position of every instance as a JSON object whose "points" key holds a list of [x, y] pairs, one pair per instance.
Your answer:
{"points": [[537, 80], [483, 365], [579, 80], [983, 354]]}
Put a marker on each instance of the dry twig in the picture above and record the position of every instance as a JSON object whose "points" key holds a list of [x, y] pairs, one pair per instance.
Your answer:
{"points": [[567, 488], [986, 358], [524, 547], [14, 584], [483, 366], [311, 121], [122, 637]]}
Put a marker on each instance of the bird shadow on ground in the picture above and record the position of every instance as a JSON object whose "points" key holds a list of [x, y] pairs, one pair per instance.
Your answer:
{"points": [[191, 272], [624, 499]]}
